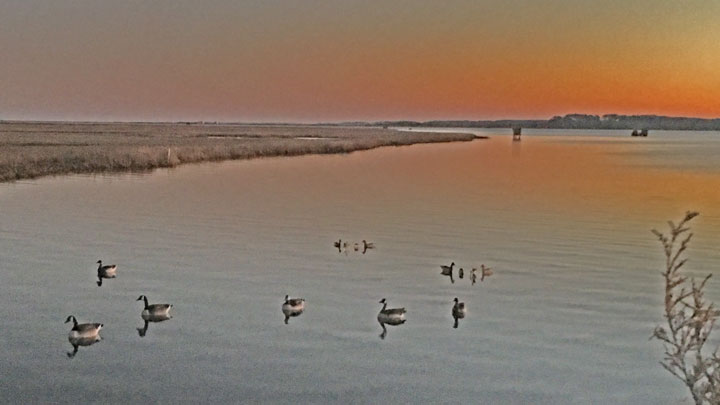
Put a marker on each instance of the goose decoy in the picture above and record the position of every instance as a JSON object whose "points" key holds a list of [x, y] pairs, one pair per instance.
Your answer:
{"points": [[473, 276], [292, 307], [458, 311], [154, 310], [338, 245], [82, 334], [461, 272], [107, 271], [485, 272], [356, 247], [367, 245], [448, 271]]}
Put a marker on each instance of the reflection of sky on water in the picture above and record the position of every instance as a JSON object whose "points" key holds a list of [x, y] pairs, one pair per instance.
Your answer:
{"points": [[564, 319]]}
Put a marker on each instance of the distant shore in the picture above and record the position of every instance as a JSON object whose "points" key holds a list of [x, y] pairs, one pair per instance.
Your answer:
{"points": [[572, 121], [36, 149]]}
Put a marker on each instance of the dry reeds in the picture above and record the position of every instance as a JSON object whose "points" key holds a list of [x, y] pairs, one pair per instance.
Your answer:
{"points": [[689, 320], [31, 149]]}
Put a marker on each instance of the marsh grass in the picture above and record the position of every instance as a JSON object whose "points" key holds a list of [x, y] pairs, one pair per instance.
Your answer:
{"points": [[31, 149], [689, 319]]}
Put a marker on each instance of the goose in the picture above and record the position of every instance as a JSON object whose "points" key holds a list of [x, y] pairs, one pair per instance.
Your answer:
{"points": [[459, 310], [356, 247], [292, 307], [485, 272], [293, 304], [473, 276], [367, 245], [461, 273], [448, 271], [154, 310], [83, 330], [338, 245], [392, 316], [107, 271]]}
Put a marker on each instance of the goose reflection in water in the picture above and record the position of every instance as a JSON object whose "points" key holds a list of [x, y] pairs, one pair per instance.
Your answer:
{"points": [[292, 307], [151, 318], [76, 342]]}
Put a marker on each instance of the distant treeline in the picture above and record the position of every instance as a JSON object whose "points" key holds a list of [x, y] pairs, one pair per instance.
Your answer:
{"points": [[572, 121]]}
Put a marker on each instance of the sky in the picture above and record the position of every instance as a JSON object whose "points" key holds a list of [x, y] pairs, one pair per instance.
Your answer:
{"points": [[341, 60]]}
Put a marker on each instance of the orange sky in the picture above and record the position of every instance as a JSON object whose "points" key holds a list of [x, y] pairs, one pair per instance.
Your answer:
{"points": [[304, 60]]}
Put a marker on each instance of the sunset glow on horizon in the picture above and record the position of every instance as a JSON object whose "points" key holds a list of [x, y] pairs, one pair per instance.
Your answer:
{"points": [[310, 61]]}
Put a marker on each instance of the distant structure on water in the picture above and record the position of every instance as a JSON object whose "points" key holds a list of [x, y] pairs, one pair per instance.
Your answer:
{"points": [[642, 132], [517, 131]]}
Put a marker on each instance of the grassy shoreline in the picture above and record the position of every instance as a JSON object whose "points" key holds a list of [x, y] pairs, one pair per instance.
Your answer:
{"points": [[35, 149]]}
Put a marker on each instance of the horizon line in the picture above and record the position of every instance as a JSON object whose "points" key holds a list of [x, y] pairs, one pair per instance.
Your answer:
{"points": [[340, 122]]}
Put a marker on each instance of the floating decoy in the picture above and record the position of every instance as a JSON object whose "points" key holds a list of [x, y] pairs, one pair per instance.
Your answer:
{"points": [[367, 245], [338, 245], [356, 247], [448, 271], [391, 316], [292, 307], [107, 271], [461, 272], [458, 311], [473, 276], [485, 272]]}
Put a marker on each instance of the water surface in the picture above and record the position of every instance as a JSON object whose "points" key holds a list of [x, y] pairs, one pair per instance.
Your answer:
{"points": [[563, 218]]}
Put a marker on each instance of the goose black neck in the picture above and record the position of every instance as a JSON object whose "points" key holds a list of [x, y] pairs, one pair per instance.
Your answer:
{"points": [[146, 302]]}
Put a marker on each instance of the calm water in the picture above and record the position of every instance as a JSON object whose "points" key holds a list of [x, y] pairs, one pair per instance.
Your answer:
{"points": [[562, 217]]}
